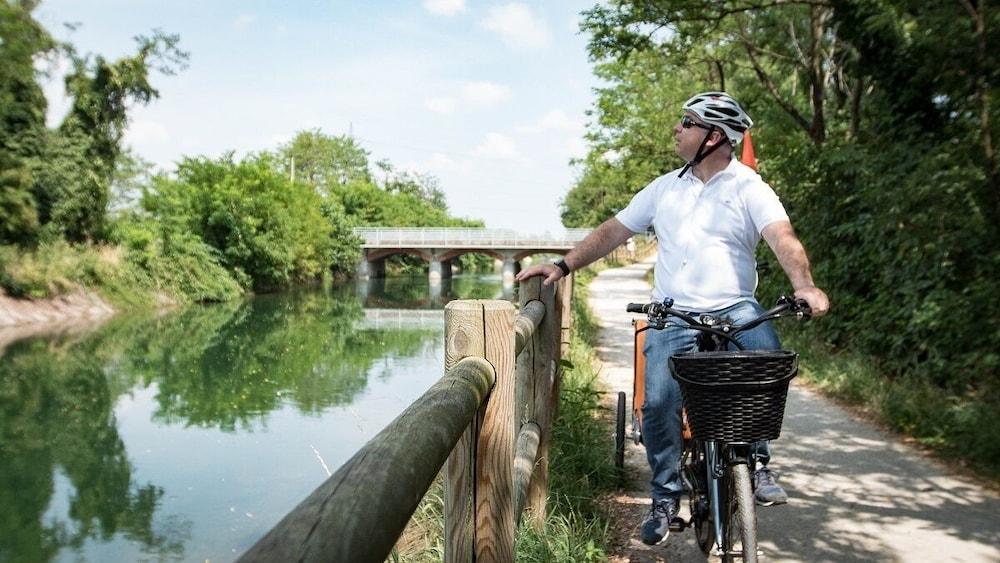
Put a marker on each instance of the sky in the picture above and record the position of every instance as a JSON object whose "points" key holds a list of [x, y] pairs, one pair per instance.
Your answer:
{"points": [[488, 97]]}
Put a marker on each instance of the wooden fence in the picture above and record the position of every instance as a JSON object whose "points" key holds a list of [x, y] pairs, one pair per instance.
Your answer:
{"points": [[487, 422]]}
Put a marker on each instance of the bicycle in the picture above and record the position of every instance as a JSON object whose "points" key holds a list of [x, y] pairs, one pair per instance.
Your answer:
{"points": [[732, 398]]}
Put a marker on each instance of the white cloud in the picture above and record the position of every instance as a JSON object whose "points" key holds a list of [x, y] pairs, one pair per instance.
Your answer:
{"points": [[469, 94], [576, 147], [445, 7], [497, 145], [244, 21], [279, 139], [142, 131], [555, 120], [443, 106], [485, 93], [517, 26], [439, 163]]}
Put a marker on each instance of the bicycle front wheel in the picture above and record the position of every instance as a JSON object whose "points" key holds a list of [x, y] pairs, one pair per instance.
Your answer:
{"points": [[739, 534], [620, 432]]}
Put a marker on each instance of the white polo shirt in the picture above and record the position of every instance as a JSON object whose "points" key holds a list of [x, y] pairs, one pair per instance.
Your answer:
{"points": [[707, 234]]}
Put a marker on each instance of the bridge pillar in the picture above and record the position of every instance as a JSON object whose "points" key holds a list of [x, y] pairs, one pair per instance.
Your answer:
{"points": [[364, 268], [434, 272], [509, 268], [368, 269], [436, 292]]}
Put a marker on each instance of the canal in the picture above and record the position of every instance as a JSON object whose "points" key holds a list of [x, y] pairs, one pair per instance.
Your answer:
{"points": [[187, 435]]}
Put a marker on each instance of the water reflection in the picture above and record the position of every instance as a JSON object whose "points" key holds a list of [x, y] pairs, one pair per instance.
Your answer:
{"points": [[56, 421], [420, 293], [87, 424]]}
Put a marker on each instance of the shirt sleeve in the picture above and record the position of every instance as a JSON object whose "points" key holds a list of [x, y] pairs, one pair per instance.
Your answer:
{"points": [[638, 215], [764, 206]]}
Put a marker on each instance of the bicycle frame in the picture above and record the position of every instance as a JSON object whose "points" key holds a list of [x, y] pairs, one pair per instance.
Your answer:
{"points": [[715, 463], [720, 458]]}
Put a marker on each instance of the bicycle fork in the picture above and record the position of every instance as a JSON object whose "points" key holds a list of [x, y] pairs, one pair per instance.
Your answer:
{"points": [[714, 469], [718, 459]]}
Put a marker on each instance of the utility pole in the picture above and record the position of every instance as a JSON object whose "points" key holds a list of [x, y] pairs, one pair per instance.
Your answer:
{"points": [[292, 172]]}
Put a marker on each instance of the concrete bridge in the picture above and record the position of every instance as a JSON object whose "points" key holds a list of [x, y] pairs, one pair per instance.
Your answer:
{"points": [[440, 246]]}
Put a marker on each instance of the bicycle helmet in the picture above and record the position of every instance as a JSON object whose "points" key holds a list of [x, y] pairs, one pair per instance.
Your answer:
{"points": [[721, 110]]}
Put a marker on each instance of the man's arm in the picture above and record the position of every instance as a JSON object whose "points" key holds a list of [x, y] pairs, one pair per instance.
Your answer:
{"points": [[792, 256], [605, 238]]}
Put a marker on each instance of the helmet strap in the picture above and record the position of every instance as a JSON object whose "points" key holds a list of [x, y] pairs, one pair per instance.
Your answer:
{"points": [[701, 154]]}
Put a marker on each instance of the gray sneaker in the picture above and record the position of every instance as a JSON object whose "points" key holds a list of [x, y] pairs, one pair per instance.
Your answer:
{"points": [[656, 526], [766, 490]]}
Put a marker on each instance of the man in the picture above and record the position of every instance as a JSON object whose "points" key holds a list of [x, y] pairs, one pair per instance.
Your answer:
{"points": [[708, 218]]}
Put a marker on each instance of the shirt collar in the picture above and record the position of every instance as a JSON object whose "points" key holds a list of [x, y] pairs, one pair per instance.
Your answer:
{"points": [[732, 169]]}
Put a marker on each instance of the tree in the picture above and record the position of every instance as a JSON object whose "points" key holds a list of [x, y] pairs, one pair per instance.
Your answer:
{"points": [[876, 126], [22, 117], [269, 231], [56, 182], [791, 48], [422, 186], [325, 161], [88, 142]]}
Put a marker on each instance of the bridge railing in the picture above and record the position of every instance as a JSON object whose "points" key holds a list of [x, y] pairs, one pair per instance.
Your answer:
{"points": [[487, 423], [396, 237]]}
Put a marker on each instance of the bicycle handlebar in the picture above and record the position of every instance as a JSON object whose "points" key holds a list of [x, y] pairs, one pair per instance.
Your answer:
{"points": [[658, 314]]}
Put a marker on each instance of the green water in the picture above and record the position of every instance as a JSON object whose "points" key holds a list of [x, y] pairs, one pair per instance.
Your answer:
{"points": [[187, 436]]}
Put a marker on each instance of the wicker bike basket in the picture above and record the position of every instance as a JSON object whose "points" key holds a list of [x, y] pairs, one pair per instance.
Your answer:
{"points": [[735, 396]]}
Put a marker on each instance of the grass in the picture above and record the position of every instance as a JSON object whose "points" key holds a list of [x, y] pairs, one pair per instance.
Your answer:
{"points": [[960, 428], [127, 277], [580, 469], [51, 270]]}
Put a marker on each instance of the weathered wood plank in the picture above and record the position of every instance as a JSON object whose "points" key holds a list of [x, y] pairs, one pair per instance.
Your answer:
{"points": [[546, 364], [528, 294], [525, 455], [495, 451], [464, 336], [526, 323], [360, 511]]}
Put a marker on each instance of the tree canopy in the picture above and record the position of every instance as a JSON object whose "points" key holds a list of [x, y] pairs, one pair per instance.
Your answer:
{"points": [[265, 221], [874, 123]]}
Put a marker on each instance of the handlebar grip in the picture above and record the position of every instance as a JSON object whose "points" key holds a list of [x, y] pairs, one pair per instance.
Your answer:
{"points": [[636, 308]]}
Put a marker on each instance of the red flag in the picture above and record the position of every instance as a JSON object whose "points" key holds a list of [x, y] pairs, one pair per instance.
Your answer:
{"points": [[748, 157]]}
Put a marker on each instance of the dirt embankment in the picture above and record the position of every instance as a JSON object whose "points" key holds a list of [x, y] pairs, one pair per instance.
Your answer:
{"points": [[23, 318], [78, 305]]}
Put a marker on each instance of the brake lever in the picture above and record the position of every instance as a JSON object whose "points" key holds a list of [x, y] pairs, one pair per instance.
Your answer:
{"points": [[803, 311]]}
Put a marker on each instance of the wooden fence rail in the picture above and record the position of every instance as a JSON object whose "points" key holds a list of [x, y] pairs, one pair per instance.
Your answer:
{"points": [[487, 422]]}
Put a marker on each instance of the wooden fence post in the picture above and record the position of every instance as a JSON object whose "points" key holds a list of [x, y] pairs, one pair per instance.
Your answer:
{"points": [[479, 489], [525, 368], [545, 366], [564, 293], [464, 336], [495, 448]]}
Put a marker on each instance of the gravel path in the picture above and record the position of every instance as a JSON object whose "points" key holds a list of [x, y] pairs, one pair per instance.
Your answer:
{"points": [[856, 493]]}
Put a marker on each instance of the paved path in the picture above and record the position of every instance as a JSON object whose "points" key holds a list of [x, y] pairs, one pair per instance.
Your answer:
{"points": [[856, 493]]}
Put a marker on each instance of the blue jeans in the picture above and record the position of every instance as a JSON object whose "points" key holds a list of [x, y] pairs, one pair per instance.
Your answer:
{"points": [[661, 412]]}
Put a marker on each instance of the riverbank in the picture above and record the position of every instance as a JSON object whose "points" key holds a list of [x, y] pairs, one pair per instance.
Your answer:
{"points": [[62, 280], [78, 305]]}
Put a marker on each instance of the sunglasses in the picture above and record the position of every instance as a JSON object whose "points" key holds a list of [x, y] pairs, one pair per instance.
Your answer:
{"points": [[687, 123]]}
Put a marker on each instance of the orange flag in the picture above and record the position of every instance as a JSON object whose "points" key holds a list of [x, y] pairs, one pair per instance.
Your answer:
{"points": [[748, 157]]}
